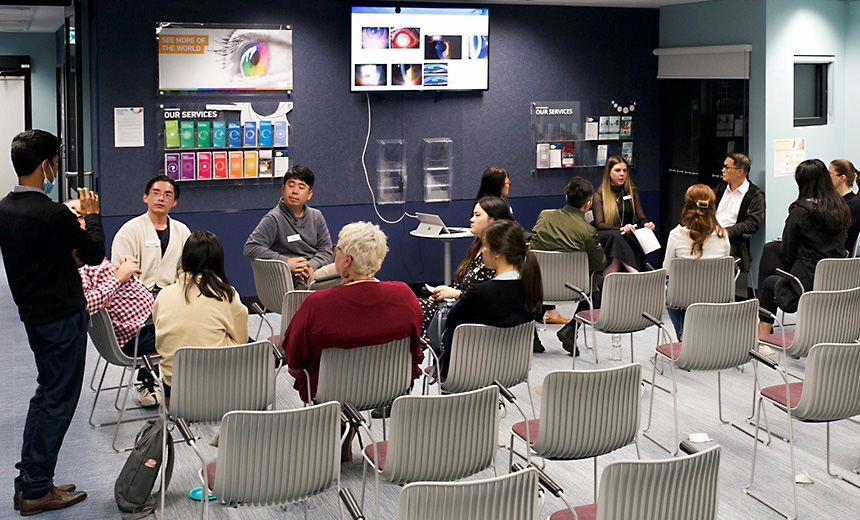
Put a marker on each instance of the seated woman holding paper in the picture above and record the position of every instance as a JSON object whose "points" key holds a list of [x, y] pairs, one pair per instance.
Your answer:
{"points": [[698, 236], [472, 270], [201, 308], [513, 297], [617, 213]]}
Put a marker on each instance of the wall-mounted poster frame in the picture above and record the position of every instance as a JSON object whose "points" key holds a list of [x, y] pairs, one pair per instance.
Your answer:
{"points": [[195, 57]]}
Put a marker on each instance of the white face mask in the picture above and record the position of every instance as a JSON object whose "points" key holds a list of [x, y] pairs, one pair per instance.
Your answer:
{"points": [[47, 185]]}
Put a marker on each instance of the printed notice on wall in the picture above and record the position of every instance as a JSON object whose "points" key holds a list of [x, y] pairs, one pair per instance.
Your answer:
{"points": [[128, 127], [787, 154]]}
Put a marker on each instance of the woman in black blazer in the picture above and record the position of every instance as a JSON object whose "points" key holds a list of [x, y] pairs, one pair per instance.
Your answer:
{"points": [[816, 228], [513, 297]]}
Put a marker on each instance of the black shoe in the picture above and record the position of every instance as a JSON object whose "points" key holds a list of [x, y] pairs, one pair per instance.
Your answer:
{"points": [[538, 346], [378, 413], [566, 335]]}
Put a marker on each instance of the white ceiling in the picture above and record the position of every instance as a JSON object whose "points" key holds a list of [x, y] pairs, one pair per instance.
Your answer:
{"points": [[27, 18], [589, 3]]}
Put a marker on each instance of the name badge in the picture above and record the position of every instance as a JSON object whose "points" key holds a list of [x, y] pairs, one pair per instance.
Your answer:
{"points": [[153, 243], [627, 197], [294, 238]]}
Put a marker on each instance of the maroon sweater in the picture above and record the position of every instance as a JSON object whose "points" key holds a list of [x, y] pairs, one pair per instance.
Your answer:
{"points": [[350, 316]]}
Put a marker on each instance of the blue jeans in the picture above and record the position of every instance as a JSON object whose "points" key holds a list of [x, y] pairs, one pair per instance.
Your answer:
{"points": [[677, 317], [59, 349]]}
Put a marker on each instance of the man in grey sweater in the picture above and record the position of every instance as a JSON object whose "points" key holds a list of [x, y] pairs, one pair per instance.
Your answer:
{"points": [[294, 232]]}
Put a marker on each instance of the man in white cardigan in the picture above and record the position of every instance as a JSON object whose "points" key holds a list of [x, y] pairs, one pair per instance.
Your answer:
{"points": [[154, 239]]}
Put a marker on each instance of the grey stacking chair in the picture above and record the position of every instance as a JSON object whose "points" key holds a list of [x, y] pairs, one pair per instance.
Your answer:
{"points": [[558, 268], [366, 377], [830, 392], [837, 274], [291, 302], [510, 497], [855, 253], [683, 488], [718, 336], [710, 280], [625, 297], [822, 317], [272, 280], [584, 414], [481, 354], [436, 438], [276, 457], [103, 336]]}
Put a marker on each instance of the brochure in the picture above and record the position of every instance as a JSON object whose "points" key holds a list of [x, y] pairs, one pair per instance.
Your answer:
{"points": [[614, 127], [626, 127], [602, 152], [567, 154]]}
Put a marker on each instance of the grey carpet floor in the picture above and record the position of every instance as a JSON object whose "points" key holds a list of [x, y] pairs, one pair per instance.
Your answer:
{"points": [[88, 460]]}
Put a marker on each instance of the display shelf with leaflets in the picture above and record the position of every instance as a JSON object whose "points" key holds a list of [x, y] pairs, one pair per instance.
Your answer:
{"points": [[438, 169], [218, 142], [391, 171], [580, 134]]}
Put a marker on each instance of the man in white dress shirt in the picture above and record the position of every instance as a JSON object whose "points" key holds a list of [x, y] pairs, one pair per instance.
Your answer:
{"points": [[740, 206]]}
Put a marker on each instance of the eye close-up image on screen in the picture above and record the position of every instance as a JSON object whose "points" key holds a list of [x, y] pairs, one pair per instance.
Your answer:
{"points": [[419, 48]]}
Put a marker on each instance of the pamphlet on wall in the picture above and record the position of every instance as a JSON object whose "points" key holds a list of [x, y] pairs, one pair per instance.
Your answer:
{"points": [[567, 149], [739, 126], [602, 152], [265, 164], [542, 156], [647, 240], [614, 127], [555, 155], [627, 152], [282, 162], [603, 129], [626, 127], [591, 128]]}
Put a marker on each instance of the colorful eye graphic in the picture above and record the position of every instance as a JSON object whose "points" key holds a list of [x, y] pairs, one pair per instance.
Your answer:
{"points": [[374, 37], [405, 38], [254, 59]]}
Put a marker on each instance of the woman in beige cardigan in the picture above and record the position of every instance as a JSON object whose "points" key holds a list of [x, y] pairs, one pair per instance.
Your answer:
{"points": [[201, 309]]}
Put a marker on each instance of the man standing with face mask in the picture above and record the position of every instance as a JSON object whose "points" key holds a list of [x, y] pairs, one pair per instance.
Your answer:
{"points": [[38, 241]]}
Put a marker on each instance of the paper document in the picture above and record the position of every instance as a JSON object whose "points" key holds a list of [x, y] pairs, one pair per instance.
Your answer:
{"points": [[647, 240]]}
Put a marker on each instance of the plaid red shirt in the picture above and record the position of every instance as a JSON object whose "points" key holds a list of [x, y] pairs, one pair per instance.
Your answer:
{"points": [[128, 304]]}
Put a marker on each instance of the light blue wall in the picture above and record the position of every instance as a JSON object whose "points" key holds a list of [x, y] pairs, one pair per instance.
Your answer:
{"points": [[852, 83], [41, 47], [802, 27]]}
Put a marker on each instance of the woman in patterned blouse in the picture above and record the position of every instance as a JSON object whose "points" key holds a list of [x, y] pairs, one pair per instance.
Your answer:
{"points": [[471, 270]]}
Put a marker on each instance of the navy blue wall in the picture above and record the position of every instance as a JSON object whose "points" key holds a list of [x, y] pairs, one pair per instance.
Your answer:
{"points": [[537, 54]]}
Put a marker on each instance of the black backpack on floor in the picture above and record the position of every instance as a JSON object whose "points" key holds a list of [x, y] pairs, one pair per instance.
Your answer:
{"points": [[133, 490]]}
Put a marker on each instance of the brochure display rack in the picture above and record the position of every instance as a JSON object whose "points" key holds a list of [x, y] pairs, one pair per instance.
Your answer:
{"points": [[438, 169], [391, 171], [579, 134]]}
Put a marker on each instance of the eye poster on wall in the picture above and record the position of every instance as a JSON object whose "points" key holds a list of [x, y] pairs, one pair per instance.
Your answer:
{"points": [[194, 57]]}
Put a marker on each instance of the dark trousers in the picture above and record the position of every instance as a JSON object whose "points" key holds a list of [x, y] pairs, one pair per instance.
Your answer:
{"points": [[767, 278], [145, 345], [60, 352]]}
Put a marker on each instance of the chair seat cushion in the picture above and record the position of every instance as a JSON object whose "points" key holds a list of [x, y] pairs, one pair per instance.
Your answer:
{"points": [[670, 350], [520, 430], [275, 340], [775, 340], [210, 474], [381, 452], [589, 316], [588, 512], [776, 393]]}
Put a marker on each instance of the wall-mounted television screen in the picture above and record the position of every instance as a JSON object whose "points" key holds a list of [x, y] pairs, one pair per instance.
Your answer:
{"points": [[411, 48]]}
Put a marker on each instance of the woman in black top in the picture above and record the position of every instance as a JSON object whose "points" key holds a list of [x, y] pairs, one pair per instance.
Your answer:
{"points": [[843, 174], [513, 297], [815, 229], [617, 213]]}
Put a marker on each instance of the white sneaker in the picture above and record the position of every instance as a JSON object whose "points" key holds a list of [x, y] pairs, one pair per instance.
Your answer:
{"points": [[147, 397]]}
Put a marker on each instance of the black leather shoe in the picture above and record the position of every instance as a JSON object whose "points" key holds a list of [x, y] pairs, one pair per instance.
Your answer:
{"points": [[566, 336], [50, 501], [538, 345], [61, 487], [378, 413]]}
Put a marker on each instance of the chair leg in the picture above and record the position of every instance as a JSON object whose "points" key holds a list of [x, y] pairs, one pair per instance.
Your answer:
{"points": [[631, 354], [674, 409], [653, 384], [732, 424], [748, 488], [95, 371], [595, 478], [835, 475]]}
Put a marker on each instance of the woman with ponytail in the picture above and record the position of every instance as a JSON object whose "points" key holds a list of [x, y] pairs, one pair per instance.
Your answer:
{"points": [[698, 236], [843, 174], [513, 297]]}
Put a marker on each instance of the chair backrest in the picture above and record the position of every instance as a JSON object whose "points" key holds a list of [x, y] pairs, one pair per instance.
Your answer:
{"points": [[586, 413], [208, 382], [509, 497], [104, 339], [719, 336], [366, 377], [557, 267], [442, 437], [684, 488], [272, 279], [277, 457], [831, 386], [836, 274], [481, 354], [710, 280], [826, 317], [291, 302], [626, 296], [855, 251]]}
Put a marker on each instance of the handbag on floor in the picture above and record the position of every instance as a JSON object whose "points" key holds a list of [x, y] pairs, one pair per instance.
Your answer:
{"points": [[133, 489]]}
